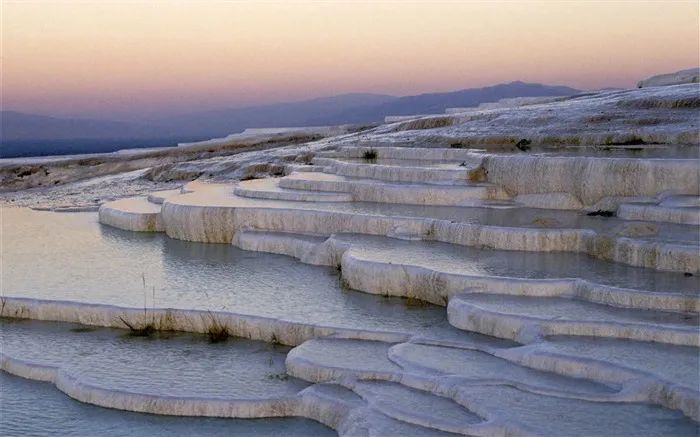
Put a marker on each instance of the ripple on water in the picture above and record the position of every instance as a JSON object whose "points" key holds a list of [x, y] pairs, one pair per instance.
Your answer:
{"points": [[31, 408], [71, 257], [172, 364]]}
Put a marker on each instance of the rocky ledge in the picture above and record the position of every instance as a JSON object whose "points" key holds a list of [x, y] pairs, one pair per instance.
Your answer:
{"points": [[560, 236]]}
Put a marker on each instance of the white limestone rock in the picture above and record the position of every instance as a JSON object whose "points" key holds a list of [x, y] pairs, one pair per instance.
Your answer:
{"points": [[691, 75]]}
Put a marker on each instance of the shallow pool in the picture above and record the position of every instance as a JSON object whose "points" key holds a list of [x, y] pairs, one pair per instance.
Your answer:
{"points": [[31, 408], [70, 256]]}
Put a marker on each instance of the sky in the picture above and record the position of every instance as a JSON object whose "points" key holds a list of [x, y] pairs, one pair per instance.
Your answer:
{"points": [[133, 59]]}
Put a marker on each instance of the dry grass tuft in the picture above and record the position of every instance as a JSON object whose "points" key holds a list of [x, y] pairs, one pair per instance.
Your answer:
{"points": [[217, 332], [145, 330], [369, 154], [414, 302]]}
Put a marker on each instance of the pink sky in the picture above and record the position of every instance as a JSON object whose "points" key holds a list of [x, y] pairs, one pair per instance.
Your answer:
{"points": [[132, 59]]}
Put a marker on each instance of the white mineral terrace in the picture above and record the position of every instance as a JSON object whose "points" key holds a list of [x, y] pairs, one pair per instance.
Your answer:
{"points": [[394, 282]]}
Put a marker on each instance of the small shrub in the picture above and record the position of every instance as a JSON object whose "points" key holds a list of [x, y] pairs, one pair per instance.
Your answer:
{"points": [[217, 332], [523, 145], [369, 154], [149, 327], [147, 330], [632, 141], [636, 141], [457, 146], [278, 376], [166, 322], [601, 213]]}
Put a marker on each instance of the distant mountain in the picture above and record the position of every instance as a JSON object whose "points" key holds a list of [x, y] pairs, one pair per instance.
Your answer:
{"points": [[304, 113], [351, 108], [435, 103], [19, 129], [20, 126], [36, 135]]}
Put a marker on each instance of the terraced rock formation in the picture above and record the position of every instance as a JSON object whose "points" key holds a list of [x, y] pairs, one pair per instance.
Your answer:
{"points": [[547, 279]]}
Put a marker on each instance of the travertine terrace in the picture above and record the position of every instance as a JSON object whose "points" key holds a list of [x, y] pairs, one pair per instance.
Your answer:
{"points": [[559, 236]]}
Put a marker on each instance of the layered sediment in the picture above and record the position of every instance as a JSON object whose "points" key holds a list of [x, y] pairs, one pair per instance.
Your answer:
{"points": [[550, 272]]}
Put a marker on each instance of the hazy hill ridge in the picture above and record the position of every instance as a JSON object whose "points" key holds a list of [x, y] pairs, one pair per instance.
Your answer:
{"points": [[347, 108]]}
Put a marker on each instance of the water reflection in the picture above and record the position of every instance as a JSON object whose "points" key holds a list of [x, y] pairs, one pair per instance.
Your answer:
{"points": [[72, 257]]}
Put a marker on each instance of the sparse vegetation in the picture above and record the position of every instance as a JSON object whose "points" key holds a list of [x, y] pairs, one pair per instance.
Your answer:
{"points": [[523, 145], [369, 154], [146, 330], [82, 329], [632, 141], [148, 327], [217, 331], [601, 213], [218, 334], [414, 302], [278, 376]]}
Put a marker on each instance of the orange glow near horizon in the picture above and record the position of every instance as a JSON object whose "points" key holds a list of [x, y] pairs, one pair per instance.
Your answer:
{"points": [[128, 59]]}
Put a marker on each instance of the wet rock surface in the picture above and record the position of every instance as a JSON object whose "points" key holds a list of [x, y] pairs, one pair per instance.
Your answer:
{"points": [[524, 268]]}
